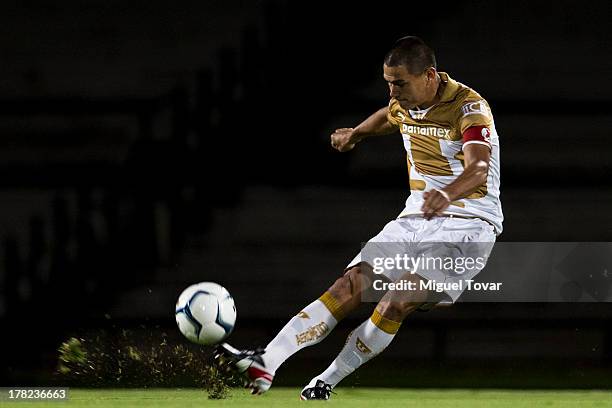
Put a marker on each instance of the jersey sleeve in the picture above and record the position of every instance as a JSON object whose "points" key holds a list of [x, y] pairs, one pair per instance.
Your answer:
{"points": [[395, 114], [475, 122], [474, 113]]}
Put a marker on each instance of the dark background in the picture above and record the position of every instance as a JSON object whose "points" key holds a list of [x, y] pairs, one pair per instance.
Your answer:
{"points": [[146, 146]]}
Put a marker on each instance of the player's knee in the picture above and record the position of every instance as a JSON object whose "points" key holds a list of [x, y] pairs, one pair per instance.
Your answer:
{"points": [[347, 286], [397, 310]]}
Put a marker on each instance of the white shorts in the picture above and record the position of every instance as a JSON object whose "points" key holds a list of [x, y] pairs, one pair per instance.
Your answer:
{"points": [[440, 237]]}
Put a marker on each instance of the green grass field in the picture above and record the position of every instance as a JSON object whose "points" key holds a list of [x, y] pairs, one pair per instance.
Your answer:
{"points": [[345, 397]]}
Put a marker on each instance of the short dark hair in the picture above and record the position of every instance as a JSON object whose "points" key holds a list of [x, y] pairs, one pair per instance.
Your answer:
{"points": [[411, 52]]}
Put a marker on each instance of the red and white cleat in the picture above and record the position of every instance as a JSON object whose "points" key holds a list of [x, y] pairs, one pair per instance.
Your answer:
{"points": [[248, 363]]}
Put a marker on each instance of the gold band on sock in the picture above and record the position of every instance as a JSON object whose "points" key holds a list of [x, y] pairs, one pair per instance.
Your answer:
{"points": [[384, 324], [332, 304]]}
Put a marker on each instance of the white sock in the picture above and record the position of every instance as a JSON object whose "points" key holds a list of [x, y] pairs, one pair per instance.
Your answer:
{"points": [[364, 343], [308, 327]]}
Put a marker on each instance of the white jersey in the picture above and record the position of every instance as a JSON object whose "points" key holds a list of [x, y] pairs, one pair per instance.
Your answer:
{"points": [[434, 140]]}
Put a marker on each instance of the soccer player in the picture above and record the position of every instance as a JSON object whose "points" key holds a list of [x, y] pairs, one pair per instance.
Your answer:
{"points": [[453, 163]]}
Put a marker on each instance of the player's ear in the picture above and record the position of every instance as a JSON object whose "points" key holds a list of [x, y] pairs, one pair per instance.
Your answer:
{"points": [[430, 73]]}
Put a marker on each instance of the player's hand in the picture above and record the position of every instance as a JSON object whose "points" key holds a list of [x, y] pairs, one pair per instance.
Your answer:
{"points": [[435, 202], [341, 139]]}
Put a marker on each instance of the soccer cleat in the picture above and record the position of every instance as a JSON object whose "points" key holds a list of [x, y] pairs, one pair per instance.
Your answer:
{"points": [[248, 363], [321, 391]]}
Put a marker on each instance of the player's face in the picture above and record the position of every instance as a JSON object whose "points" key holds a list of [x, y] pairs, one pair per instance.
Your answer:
{"points": [[409, 90]]}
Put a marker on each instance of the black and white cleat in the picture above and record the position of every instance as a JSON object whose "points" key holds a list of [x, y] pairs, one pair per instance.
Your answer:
{"points": [[321, 391]]}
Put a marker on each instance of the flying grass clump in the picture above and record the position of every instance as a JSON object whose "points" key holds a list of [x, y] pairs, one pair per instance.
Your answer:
{"points": [[139, 359]]}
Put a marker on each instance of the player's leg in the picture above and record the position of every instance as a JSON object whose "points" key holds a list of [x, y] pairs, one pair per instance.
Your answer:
{"points": [[340, 299], [310, 326], [370, 338], [313, 323], [446, 237]]}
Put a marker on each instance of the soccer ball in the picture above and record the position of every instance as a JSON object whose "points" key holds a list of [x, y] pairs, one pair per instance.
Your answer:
{"points": [[205, 313]]}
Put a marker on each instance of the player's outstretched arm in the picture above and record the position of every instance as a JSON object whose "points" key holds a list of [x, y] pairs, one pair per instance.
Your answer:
{"points": [[475, 173], [345, 139]]}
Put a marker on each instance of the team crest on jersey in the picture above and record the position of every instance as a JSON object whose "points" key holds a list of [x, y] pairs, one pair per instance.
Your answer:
{"points": [[473, 108]]}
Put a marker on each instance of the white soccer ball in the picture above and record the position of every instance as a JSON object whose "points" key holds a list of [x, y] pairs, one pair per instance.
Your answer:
{"points": [[205, 313]]}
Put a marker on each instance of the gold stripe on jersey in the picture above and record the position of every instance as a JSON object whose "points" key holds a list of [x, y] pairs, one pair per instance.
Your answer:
{"points": [[427, 156], [418, 185], [479, 193]]}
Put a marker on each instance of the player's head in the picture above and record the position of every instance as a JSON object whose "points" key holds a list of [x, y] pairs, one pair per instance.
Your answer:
{"points": [[411, 72], [412, 53]]}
